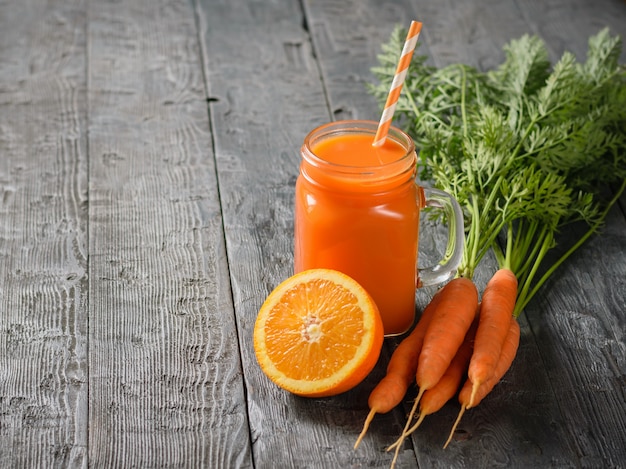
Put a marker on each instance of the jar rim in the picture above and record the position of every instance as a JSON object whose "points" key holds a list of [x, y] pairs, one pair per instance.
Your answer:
{"points": [[356, 126]]}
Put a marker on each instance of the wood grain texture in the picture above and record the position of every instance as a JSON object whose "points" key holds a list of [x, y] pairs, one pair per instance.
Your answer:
{"points": [[262, 106], [475, 32], [148, 155], [346, 54], [469, 32], [569, 28], [165, 376], [43, 235], [579, 321]]}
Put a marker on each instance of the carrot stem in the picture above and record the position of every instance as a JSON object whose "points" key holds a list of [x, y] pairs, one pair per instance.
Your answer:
{"points": [[594, 227]]}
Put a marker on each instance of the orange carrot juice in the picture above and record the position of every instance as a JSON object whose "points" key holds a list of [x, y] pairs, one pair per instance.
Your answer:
{"points": [[357, 211]]}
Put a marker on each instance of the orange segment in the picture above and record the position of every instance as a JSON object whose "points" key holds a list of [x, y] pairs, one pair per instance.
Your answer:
{"points": [[318, 334]]}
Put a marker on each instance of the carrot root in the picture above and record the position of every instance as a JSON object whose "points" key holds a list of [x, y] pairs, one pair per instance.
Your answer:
{"points": [[475, 387], [366, 425], [435, 398], [509, 350], [447, 330], [404, 434], [496, 309], [407, 433], [412, 413], [456, 424], [401, 369]]}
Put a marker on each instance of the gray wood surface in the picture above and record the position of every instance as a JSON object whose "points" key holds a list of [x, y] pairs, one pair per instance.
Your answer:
{"points": [[164, 370], [43, 235], [148, 155]]}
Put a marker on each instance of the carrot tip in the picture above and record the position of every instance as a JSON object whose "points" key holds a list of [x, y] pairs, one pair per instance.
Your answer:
{"points": [[456, 423], [475, 386], [366, 425], [408, 432]]}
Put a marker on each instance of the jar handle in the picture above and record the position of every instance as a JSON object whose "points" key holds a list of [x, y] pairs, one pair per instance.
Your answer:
{"points": [[447, 266]]}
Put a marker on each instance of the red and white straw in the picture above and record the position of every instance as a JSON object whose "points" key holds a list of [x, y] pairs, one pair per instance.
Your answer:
{"points": [[398, 81]]}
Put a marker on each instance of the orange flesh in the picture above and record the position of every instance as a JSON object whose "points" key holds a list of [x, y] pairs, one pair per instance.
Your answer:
{"points": [[318, 334], [326, 337]]}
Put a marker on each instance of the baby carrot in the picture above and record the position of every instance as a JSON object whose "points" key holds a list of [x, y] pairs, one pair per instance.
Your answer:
{"points": [[400, 374], [496, 309], [509, 350], [443, 338], [437, 396], [446, 331]]}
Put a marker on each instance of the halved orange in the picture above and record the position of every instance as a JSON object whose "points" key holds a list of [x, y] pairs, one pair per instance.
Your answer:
{"points": [[318, 334]]}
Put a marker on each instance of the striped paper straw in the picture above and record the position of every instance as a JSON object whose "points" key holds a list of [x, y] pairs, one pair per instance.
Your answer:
{"points": [[398, 81]]}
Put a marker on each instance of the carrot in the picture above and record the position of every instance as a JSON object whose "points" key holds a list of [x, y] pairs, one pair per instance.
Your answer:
{"points": [[496, 309], [436, 397], [400, 374], [446, 332], [439, 334], [509, 350]]}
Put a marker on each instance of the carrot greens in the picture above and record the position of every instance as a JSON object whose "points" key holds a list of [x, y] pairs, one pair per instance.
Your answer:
{"points": [[528, 148]]}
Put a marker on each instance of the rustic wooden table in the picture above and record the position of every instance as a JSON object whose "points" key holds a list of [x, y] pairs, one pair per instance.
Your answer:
{"points": [[148, 154]]}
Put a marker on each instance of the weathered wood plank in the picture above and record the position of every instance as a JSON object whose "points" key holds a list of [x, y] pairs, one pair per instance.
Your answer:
{"points": [[579, 321], [263, 104], [569, 26], [43, 235], [475, 32], [469, 32], [346, 54], [165, 375]]}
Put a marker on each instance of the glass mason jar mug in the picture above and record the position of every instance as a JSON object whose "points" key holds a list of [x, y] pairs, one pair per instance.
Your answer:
{"points": [[357, 210]]}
